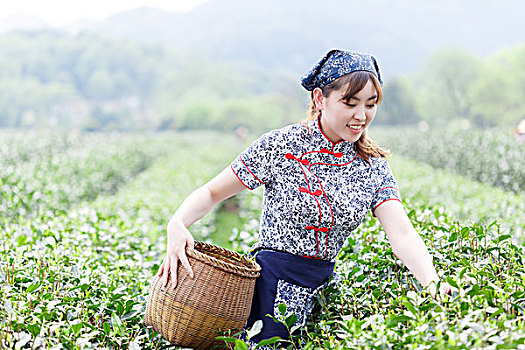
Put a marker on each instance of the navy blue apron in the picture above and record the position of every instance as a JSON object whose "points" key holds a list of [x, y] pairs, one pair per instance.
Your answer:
{"points": [[290, 279]]}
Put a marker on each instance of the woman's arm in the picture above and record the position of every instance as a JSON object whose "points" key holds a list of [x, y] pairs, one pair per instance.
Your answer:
{"points": [[408, 245], [194, 207]]}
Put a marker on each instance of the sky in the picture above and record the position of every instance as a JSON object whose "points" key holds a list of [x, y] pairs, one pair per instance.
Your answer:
{"points": [[62, 12]]}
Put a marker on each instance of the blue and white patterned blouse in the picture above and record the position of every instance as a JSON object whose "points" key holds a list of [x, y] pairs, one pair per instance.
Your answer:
{"points": [[316, 192]]}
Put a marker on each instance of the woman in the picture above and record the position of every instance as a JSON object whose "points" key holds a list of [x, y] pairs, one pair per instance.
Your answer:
{"points": [[321, 178]]}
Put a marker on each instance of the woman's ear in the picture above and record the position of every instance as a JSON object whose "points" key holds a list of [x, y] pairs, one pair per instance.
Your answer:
{"points": [[318, 99]]}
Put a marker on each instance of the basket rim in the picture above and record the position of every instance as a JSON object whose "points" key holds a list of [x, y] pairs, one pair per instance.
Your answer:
{"points": [[249, 268]]}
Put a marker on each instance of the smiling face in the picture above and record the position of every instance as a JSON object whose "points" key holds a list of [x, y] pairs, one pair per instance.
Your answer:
{"points": [[346, 119]]}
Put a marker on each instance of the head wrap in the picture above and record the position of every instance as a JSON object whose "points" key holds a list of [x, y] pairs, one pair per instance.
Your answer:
{"points": [[337, 63]]}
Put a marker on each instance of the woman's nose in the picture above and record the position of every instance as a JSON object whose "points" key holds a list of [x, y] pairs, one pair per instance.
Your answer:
{"points": [[360, 115]]}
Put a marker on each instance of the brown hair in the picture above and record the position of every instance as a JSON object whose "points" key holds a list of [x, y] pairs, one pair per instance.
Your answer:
{"points": [[354, 82]]}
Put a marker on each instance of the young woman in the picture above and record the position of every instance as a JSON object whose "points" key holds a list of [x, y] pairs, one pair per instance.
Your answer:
{"points": [[321, 178]]}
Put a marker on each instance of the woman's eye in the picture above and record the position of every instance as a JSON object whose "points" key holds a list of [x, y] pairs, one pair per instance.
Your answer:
{"points": [[350, 104], [371, 106]]}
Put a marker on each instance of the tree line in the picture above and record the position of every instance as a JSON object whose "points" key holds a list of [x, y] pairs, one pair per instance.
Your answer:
{"points": [[50, 79], [455, 87]]}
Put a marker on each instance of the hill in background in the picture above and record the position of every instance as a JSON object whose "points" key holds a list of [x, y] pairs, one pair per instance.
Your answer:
{"points": [[231, 63], [292, 34]]}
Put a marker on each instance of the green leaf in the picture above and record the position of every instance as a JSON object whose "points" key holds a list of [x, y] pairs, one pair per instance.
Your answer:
{"points": [[392, 321], [240, 345], [76, 327], [275, 319], [118, 327], [107, 328], [119, 307], [462, 272], [452, 282], [265, 342], [21, 240], [227, 340], [282, 308], [410, 307], [34, 329], [290, 320], [474, 290], [512, 345], [503, 237], [497, 312], [32, 287], [360, 278]]}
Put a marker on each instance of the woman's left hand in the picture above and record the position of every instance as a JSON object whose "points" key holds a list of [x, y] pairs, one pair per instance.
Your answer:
{"points": [[444, 288]]}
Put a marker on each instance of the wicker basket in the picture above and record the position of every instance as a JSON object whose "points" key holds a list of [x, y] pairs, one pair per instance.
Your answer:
{"points": [[218, 298]]}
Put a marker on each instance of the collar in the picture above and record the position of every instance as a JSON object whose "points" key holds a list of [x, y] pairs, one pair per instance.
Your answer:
{"points": [[322, 141]]}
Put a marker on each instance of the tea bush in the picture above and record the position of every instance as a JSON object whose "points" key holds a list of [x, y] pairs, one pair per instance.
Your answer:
{"points": [[464, 198], [77, 278], [76, 260], [490, 156]]}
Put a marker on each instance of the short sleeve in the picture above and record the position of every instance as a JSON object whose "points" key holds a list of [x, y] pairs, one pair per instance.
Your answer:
{"points": [[386, 185], [254, 165]]}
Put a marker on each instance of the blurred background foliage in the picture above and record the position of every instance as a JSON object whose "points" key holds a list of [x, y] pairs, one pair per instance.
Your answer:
{"points": [[51, 79], [86, 81]]}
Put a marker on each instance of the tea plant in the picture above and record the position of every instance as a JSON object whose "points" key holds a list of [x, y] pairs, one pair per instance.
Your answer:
{"points": [[379, 305], [76, 260], [79, 170], [490, 156], [79, 279], [465, 199]]}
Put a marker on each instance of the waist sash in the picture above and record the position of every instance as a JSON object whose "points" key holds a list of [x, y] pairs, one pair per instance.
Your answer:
{"points": [[290, 279]]}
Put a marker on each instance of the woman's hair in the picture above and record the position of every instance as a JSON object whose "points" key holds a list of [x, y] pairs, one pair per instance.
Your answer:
{"points": [[354, 82]]}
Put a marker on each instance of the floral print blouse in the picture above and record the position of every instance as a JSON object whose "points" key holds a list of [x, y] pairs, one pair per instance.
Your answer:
{"points": [[316, 192]]}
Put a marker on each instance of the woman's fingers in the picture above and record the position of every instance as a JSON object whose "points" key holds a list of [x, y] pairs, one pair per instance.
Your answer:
{"points": [[184, 260], [190, 241], [432, 289], [165, 271], [176, 251], [448, 289], [174, 263]]}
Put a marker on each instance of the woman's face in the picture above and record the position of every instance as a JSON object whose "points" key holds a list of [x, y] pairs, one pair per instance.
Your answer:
{"points": [[346, 120]]}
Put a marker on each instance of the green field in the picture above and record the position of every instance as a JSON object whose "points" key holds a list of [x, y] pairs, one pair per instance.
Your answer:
{"points": [[83, 220]]}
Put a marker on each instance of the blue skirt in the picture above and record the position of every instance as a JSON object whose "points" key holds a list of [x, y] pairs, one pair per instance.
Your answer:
{"points": [[290, 279]]}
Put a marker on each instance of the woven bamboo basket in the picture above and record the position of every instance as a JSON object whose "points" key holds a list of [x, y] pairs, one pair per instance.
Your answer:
{"points": [[218, 298]]}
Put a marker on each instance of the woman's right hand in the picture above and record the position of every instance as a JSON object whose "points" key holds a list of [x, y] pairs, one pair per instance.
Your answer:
{"points": [[178, 238]]}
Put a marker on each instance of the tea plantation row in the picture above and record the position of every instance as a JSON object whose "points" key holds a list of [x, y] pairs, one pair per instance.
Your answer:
{"points": [[76, 261], [492, 156]]}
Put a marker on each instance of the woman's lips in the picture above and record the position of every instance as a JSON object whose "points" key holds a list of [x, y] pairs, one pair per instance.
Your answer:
{"points": [[356, 129]]}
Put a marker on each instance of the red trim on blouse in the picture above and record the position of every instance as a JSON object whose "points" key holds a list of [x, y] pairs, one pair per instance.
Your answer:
{"points": [[331, 216], [326, 137], [310, 167], [386, 200], [384, 188], [311, 257], [305, 162], [302, 161], [322, 229], [240, 156], [316, 193], [324, 150], [231, 166]]}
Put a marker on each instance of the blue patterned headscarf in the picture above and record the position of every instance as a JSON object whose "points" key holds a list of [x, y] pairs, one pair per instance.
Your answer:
{"points": [[337, 63]]}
